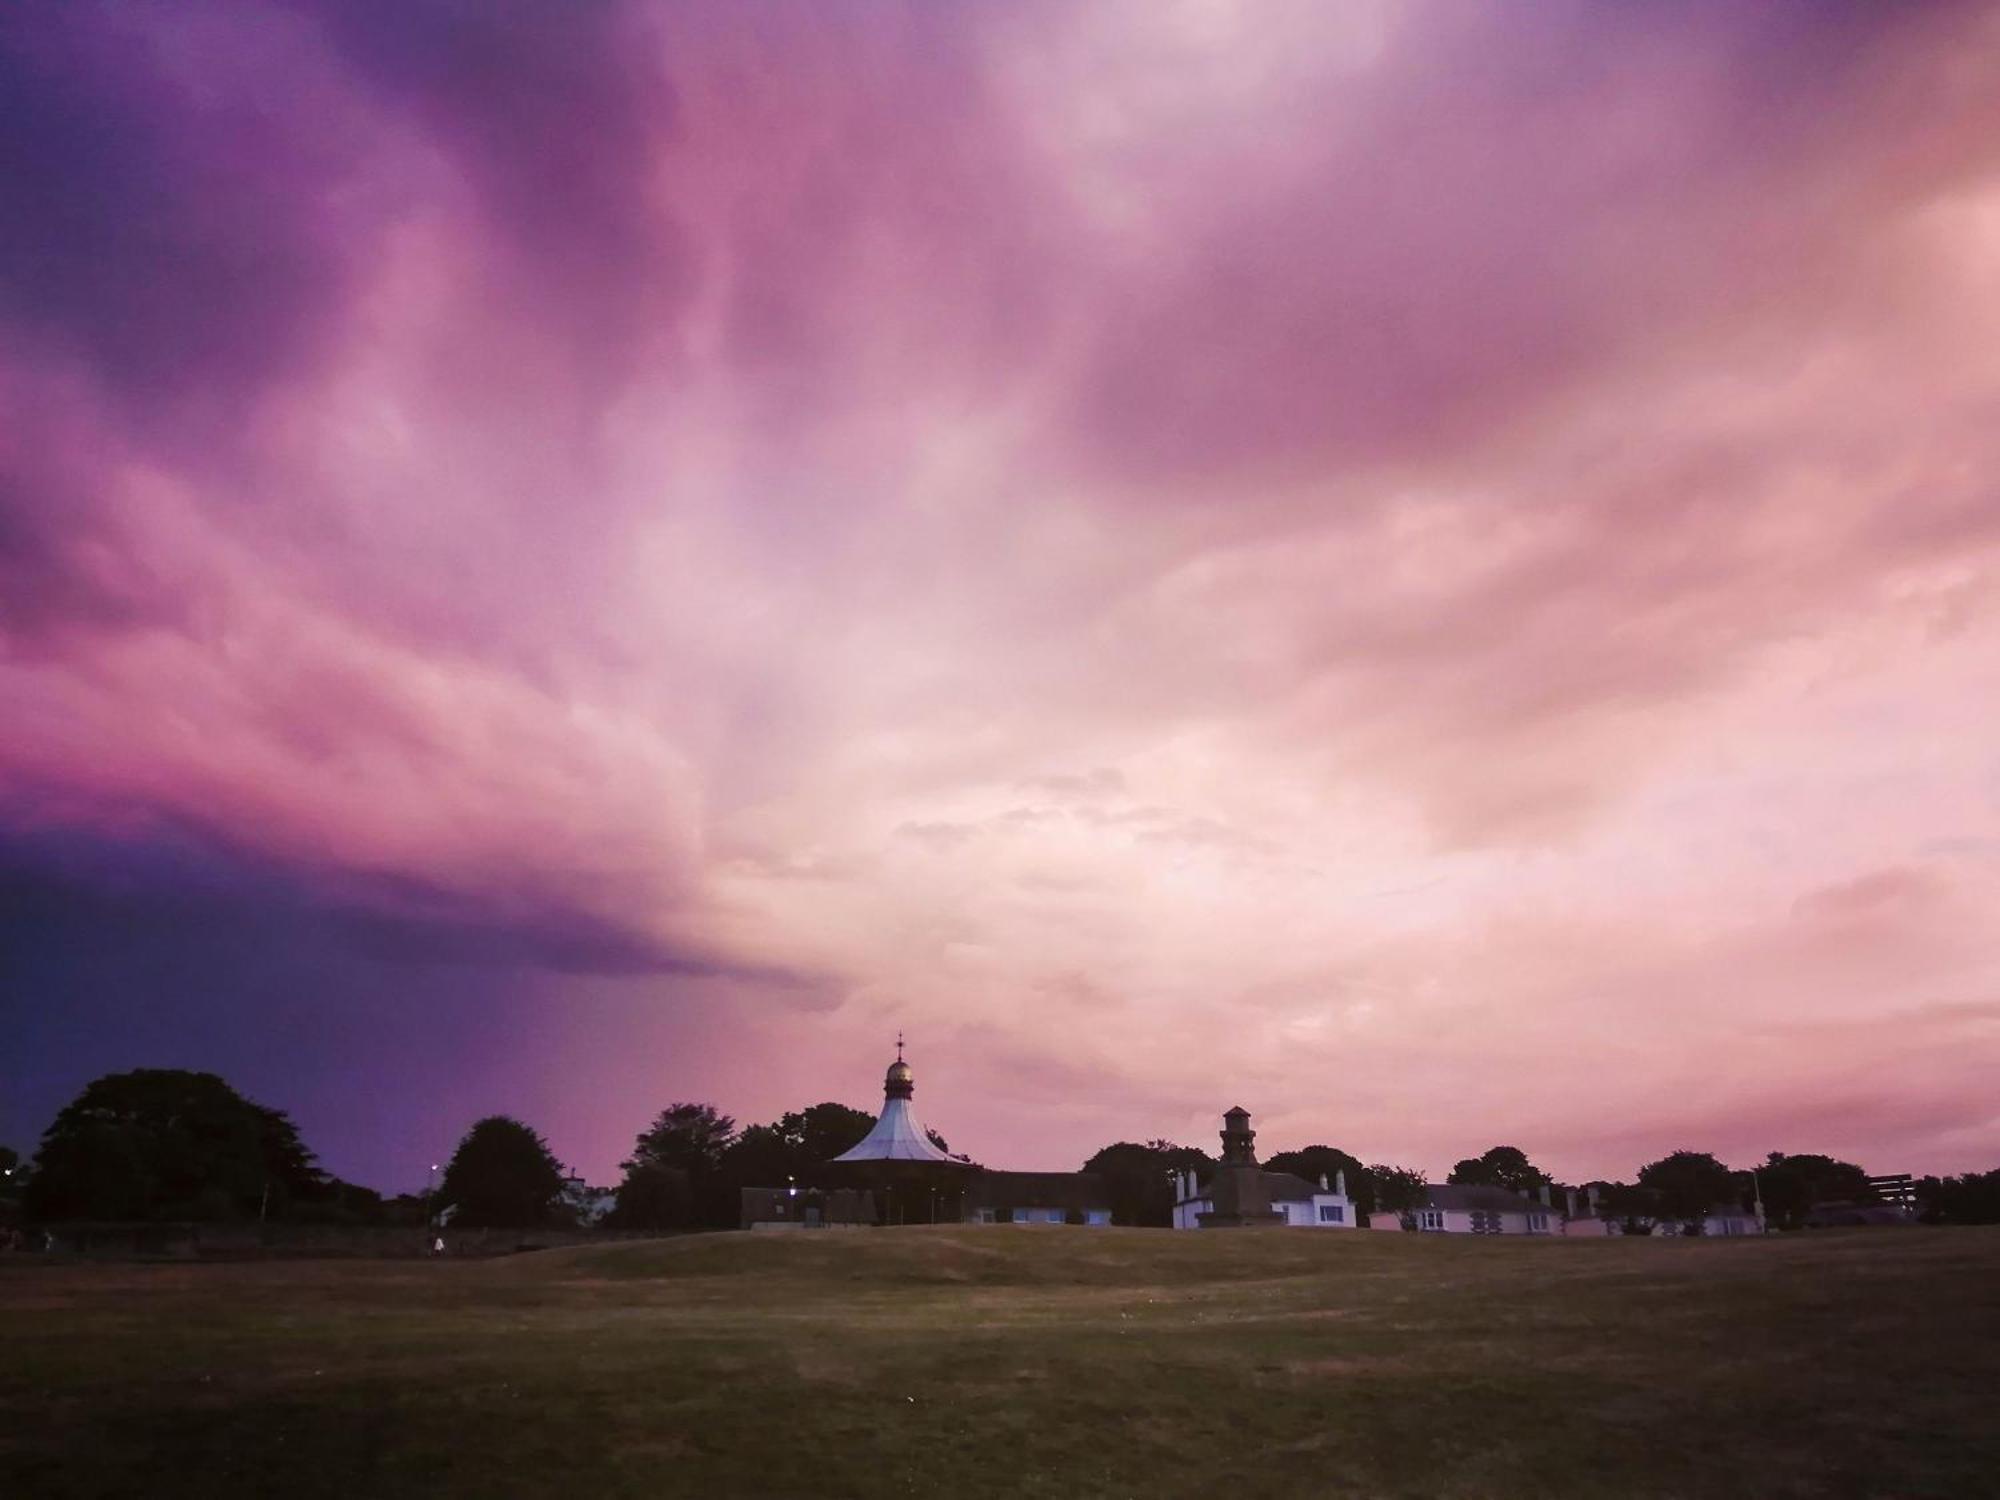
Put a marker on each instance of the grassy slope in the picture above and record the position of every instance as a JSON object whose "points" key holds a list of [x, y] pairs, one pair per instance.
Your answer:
{"points": [[1011, 1361]]}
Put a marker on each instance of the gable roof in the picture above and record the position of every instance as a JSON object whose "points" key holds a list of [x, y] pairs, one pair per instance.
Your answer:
{"points": [[1289, 1187]]}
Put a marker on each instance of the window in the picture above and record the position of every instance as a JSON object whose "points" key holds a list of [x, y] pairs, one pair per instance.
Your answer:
{"points": [[1332, 1213], [986, 1216], [1484, 1222], [1098, 1216], [1538, 1223], [1431, 1218]]}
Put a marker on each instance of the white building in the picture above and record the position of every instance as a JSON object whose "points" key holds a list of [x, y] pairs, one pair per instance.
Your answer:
{"points": [[1457, 1208], [1301, 1205], [1722, 1221]]}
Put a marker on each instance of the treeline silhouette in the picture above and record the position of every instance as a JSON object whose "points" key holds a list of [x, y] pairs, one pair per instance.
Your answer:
{"points": [[157, 1145]]}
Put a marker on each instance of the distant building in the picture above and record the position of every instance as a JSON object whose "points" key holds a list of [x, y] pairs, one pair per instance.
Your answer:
{"points": [[1297, 1202], [897, 1175], [1723, 1221], [898, 1135], [1466, 1208], [1239, 1193], [588, 1205], [1037, 1198], [807, 1208], [1590, 1221]]}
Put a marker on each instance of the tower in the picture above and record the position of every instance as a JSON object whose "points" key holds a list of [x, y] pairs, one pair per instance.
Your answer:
{"points": [[1241, 1199]]}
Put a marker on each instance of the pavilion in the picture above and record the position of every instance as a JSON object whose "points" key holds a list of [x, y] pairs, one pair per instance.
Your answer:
{"points": [[913, 1181], [897, 1174]]}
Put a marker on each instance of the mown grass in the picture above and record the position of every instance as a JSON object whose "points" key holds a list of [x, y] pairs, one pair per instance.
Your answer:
{"points": [[1022, 1361]]}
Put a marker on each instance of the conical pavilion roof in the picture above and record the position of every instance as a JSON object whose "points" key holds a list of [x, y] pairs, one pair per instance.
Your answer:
{"points": [[898, 1134]]}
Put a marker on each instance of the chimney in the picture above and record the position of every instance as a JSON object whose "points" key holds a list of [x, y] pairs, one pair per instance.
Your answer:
{"points": [[1340, 1182], [1546, 1203], [1322, 1183], [1569, 1202], [1590, 1197]]}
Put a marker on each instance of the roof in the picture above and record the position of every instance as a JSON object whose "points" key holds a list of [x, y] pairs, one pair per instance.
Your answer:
{"points": [[1284, 1187], [1289, 1187], [1465, 1197], [898, 1136], [1069, 1190]]}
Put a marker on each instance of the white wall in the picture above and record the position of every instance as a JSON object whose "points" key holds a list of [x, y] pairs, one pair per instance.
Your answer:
{"points": [[1298, 1214]]}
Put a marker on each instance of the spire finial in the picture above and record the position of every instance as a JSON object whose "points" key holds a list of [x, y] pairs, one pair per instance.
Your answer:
{"points": [[899, 1046]]}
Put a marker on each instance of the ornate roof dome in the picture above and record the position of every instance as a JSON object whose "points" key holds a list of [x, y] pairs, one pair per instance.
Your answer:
{"points": [[899, 1072]]}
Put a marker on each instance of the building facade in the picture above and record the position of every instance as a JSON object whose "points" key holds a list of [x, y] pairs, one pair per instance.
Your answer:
{"points": [[1461, 1208], [1238, 1193], [1299, 1204], [1038, 1198]]}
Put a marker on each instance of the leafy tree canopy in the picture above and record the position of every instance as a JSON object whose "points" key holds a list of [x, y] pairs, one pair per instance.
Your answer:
{"points": [[1636, 1209], [161, 1143], [1687, 1184], [1791, 1185], [502, 1175], [1503, 1167], [689, 1137], [1396, 1190], [1139, 1178], [825, 1130], [653, 1197], [1971, 1199]]}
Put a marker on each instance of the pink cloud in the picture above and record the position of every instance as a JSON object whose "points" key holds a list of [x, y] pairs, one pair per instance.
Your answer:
{"points": [[1423, 573]]}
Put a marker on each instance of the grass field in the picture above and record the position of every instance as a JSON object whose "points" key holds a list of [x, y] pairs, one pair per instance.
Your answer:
{"points": [[1009, 1361]]}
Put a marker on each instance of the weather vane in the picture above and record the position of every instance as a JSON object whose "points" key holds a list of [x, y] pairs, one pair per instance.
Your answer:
{"points": [[899, 1046]]}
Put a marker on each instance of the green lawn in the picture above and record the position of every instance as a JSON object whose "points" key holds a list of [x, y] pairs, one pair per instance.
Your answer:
{"points": [[1009, 1361]]}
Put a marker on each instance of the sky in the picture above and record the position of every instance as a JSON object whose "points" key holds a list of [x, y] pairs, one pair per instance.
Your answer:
{"points": [[1425, 569]]}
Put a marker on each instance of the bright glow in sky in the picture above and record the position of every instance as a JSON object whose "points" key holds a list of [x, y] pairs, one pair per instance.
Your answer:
{"points": [[1426, 569]]}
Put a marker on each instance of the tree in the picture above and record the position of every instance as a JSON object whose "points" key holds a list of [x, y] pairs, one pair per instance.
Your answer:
{"points": [[1636, 1210], [825, 1130], [503, 1176], [691, 1137], [1396, 1190], [794, 1146], [1503, 1167], [160, 1143], [1139, 1178], [761, 1156], [1791, 1185], [653, 1197], [674, 1178], [1687, 1184], [1971, 1199]]}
